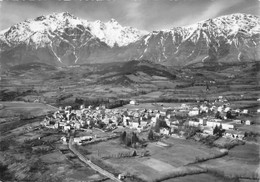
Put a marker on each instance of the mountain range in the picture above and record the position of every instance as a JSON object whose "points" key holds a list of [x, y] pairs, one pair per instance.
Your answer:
{"points": [[64, 40]]}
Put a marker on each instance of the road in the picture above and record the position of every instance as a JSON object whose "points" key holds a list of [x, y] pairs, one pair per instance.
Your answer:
{"points": [[91, 164]]}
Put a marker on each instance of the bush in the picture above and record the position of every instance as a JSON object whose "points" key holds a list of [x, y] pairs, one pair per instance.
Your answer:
{"points": [[4, 145], [5, 175]]}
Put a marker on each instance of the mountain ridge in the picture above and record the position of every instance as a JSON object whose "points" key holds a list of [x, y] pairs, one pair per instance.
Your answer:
{"points": [[63, 39]]}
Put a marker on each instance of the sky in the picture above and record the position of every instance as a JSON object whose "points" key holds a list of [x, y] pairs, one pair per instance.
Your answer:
{"points": [[142, 14]]}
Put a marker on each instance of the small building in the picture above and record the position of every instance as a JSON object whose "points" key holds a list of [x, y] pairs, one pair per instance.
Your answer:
{"points": [[194, 123], [245, 111], [193, 113], [248, 122], [63, 139], [135, 124], [234, 134], [208, 131], [133, 102], [227, 126], [202, 122]]}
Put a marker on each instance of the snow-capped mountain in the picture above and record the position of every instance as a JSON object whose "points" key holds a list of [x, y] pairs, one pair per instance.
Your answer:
{"points": [[62, 37], [233, 37], [65, 39]]}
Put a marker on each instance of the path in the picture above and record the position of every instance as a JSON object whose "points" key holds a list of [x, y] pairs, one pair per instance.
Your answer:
{"points": [[91, 164]]}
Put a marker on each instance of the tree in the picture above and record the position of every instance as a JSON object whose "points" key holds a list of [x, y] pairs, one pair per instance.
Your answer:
{"points": [[128, 141], [134, 138], [123, 137], [229, 115], [217, 116], [215, 130], [150, 135]]}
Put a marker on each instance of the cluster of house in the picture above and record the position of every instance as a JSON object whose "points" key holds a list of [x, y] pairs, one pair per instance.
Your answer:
{"points": [[139, 119], [209, 122]]}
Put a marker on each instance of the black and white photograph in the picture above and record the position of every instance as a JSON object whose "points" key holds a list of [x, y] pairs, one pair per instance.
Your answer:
{"points": [[129, 90]]}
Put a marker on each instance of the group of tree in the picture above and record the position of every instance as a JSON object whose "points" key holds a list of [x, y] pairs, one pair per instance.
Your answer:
{"points": [[100, 101], [152, 136], [129, 139], [190, 131], [160, 123], [218, 131]]}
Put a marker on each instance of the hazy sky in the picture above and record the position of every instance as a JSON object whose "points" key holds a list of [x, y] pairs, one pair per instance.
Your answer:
{"points": [[143, 14]]}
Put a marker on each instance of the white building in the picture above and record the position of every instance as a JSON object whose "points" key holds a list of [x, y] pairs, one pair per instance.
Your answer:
{"points": [[227, 126], [133, 102], [193, 113], [245, 111], [135, 125], [194, 123], [248, 122]]}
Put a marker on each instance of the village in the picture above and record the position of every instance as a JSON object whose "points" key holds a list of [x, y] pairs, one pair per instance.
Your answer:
{"points": [[215, 118]]}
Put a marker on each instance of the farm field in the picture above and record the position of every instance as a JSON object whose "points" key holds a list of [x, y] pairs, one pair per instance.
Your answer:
{"points": [[242, 161], [10, 109], [162, 160]]}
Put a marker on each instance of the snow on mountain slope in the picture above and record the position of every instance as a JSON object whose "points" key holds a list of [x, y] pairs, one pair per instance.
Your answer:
{"points": [[41, 27], [212, 39], [61, 38]]}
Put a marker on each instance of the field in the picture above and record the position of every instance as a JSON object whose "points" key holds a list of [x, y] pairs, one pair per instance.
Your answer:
{"points": [[242, 161], [162, 160], [22, 108]]}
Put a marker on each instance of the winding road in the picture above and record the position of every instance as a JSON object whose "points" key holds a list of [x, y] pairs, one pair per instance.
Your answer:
{"points": [[91, 164]]}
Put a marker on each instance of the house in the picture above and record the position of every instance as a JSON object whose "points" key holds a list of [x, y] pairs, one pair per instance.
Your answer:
{"points": [[227, 109], [234, 134], [175, 122], [133, 102], [193, 113], [202, 122], [143, 123], [194, 123], [63, 139], [153, 120], [213, 124], [237, 121], [78, 140], [173, 128], [164, 131], [135, 124], [245, 111], [208, 131], [163, 113], [248, 122], [227, 126], [167, 121], [77, 125], [66, 128]]}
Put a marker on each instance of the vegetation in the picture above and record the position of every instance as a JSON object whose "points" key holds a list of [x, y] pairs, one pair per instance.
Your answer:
{"points": [[218, 131], [129, 139], [160, 123], [5, 144]]}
